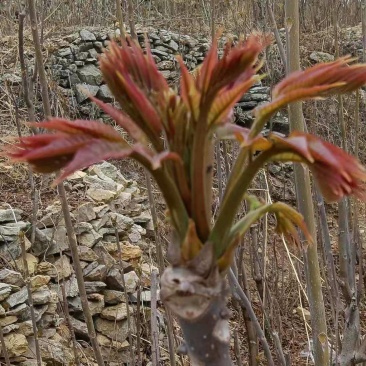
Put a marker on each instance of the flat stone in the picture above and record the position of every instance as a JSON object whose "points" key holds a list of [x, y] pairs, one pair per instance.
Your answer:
{"points": [[32, 263], [97, 305], [318, 56], [83, 227], [100, 183], [11, 277], [95, 272], [105, 93], [86, 254], [8, 320], [100, 195], [10, 215], [16, 344], [90, 74], [101, 211], [110, 343], [159, 53], [113, 297], [17, 298], [94, 286], [80, 328], [10, 231], [5, 291], [42, 296], [85, 213], [115, 282], [75, 304], [46, 268], [26, 328], [86, 35], [50, 241], [116, 313], [39, 281], [82, 92], [89, 239], [71, 287], [113, 330], [64, 267], [22, 312], [103, 256]]}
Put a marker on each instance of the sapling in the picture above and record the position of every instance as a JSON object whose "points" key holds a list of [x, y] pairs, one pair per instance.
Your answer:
{"points": [[173, 136]]}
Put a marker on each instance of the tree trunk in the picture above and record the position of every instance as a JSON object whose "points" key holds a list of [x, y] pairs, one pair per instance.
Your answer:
{"points": [[305, 203]]}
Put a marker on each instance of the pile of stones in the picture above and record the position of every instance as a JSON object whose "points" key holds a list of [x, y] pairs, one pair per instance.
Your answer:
{"points": [[112, 206]]}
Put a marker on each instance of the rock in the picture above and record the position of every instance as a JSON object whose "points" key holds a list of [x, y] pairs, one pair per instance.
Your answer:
{"points": [[318, 56], [130, 252], [76, 177], [103, 256], [96, 304], [10, 231], [89, 239], [117, 331], [86, 35], [5, 291], [46, 268], [105, 93], [75, 304], [42, 296], [110, 343], [100, 195], [94, 287], [82, 92], [53, 352], [85, 213], [100, 211], [32, 262], [172, 45], [26, 328], [50, 241], [22, 312], [17, 298], [90, 74], [116, 313], [8, 320], [95, 272], [115, 282], [80, 328], [303, 313], [15, 344], [39, 311], [10, 215], [83, 227], [9, 329], [86, 254], [11, 277], [102, 183], [2, 311], [39, 281], [113, 297], [71, 287], [64, 267], [161, 54]]}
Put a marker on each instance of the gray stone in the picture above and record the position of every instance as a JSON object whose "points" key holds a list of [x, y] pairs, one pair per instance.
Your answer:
{"points": [[116, 313], [90, 74], [114, 330], [22, 312], [93, 53], [82, 92], [5, 291], [113, 297], [50, 241], [173, 46], [17, 298], [89, 239], [159, 53], [10, 231], [42, 296], [100, 195], [75, 304], [79, 63], [105, 94], [83, 227], [81, 57], [71, 287], [80, 328], [10, 215], [85, 212], [95, 272], [98, 45], [86, 35], [98, 183], [11, 277], [86, 254], [318, 56], [115, 282], [94, 286], [62, 52]]}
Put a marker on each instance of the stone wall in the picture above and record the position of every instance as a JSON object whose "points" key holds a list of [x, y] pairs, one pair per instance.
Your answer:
{"points": [[108, 202], [74, 64]]}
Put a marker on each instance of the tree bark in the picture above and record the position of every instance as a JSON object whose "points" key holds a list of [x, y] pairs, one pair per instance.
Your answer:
{"points": [[305, 203]]}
